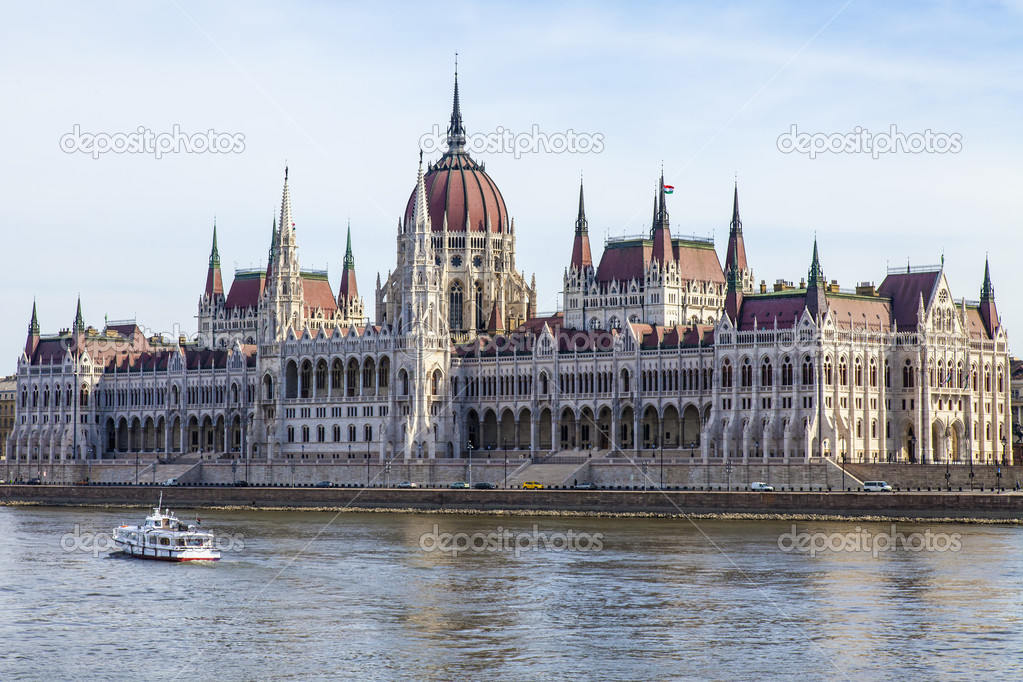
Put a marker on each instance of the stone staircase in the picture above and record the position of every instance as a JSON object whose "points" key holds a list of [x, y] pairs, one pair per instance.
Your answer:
{"points": [[163, 472]]}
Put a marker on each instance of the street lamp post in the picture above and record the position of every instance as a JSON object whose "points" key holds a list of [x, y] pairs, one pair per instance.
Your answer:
{"points": [[843, 470], [970, 446], [728, 475], [470, 463], [136, 467], [912, 450], [505, 444]]}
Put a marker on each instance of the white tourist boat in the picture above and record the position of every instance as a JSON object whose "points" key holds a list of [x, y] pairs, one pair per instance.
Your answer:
{"points": [[163, 537]]}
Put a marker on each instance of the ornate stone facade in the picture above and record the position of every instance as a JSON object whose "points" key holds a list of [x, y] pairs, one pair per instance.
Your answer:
{"points": [[658, 347]]}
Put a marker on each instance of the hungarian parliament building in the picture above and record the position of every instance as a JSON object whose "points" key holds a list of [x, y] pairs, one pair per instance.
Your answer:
{"points": [[657, 346]]}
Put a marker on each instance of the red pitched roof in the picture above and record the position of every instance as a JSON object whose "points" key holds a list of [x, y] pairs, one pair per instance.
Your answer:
{"points": [[246, 289], [975, 326], [627, 259], [905, 290], [317, 294]]}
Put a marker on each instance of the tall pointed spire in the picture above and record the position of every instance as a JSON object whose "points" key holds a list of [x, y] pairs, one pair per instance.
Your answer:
{"points": [[816, 300], [735, 258], [32, 342], [988, 309], [456, 131], [581, 257], [286, 222], [816, 274], [214, 253], [272, 250], [420, 209], [79, 324], [580, 221], [660, 230], [349, 289], [214, 280], [349, 258], [33, 326], [987, 292]]}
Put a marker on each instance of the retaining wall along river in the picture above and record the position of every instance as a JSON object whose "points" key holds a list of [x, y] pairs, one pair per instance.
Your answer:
{"points": [[1004, 505]]}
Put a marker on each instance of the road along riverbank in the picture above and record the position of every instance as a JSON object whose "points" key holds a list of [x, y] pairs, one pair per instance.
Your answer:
{"points": [[1006, 506]]}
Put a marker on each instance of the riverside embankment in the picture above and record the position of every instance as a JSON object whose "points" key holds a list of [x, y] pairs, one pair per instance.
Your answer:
{"points": [[945, 505]]}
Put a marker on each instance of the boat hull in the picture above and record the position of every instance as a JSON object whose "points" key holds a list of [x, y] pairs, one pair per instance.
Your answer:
{"points": [[161, 554]]}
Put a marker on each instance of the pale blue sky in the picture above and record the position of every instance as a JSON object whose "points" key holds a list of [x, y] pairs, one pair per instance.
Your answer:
{"points": [[344, 92]]}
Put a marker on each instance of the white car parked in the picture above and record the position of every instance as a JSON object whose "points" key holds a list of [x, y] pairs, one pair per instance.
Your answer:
{"points": [[876, 487], [761, 487]]}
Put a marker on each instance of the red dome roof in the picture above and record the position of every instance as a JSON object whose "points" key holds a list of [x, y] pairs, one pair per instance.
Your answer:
{"points": [[460, 187]]}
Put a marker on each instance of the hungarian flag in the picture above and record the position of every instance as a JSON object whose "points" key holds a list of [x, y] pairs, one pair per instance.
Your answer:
{"points": [[668, 189]]}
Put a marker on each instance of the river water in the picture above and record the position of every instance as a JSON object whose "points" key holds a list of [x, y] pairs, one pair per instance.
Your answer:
{"points": [[389, 596]]}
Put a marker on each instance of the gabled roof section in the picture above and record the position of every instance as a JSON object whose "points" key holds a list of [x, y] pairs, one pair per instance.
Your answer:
{"points": [[905, 289], [317, 293], [246, 289]]}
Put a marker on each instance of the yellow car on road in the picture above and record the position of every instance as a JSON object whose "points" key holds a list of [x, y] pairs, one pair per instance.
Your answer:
{"points": [[532, 485]]}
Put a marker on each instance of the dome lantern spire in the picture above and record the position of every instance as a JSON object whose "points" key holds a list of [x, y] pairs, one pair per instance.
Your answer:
{"points": [[456, 131]]}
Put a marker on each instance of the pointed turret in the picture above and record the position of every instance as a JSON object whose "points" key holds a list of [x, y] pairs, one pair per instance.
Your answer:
{"points": [[421, 209], [581, 257], [79, 324], [988, 310], [33, 334], [735, 290], [736, 258], [272, 251], [660, 230], [214, 281], [816, 301], [287, 223], [456, 131], [349, 290]]}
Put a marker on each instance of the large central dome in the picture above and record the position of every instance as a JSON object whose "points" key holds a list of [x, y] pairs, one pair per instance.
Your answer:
{"points": [[459, 189]]}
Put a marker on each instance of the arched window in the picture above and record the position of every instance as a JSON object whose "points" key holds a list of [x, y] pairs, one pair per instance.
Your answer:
{"points": [[873, 373], [351, 433], [766, 373], [807, 371], [747, 373], [481, 323], [827, 371], [321, 433], [907, 374], [843, 372], [305, 434], [857, 372], [726, 374], [367, 432], [786, 371], [456, 298]]}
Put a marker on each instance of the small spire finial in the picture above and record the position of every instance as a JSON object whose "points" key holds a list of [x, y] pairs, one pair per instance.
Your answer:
{"points": [[456, 131]]}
